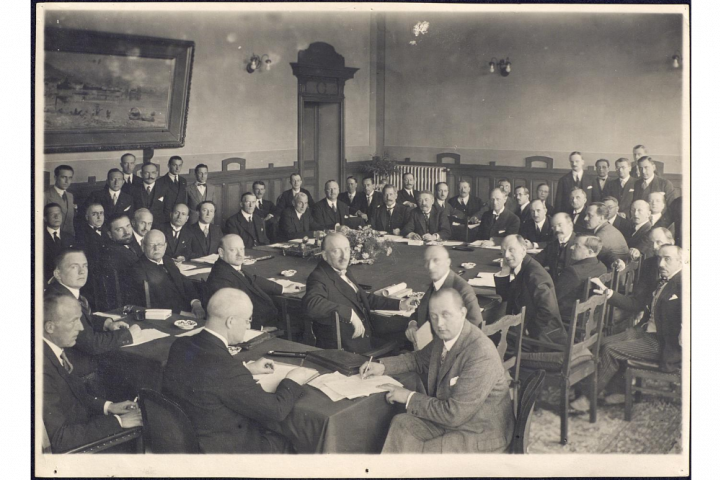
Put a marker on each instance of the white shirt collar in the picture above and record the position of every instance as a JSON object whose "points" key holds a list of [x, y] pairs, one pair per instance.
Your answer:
{"points": [[74, 291], [408, 191], [202, 225], [522, 207], [128, 177], [299, 215], [352, 195], [175, 229], [649, 180], [113, 193], [151, 185], [212, 332], [498, 213], [450, 343], [331, 202], [247, 216], [564, 240], [638, 227], [541, 224], [53, 230], [611, 221], [577, 174], [59, 191], [438, 285], [198, 184], [295, 192], [440, 202], [655, 217], [391, 206], [155, 262], [55, 349], [623, 181], [172, 176]]}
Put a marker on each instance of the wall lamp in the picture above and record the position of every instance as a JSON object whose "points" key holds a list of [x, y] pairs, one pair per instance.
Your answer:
{"points": [[503, 65], [676, 60], [257, 61]]}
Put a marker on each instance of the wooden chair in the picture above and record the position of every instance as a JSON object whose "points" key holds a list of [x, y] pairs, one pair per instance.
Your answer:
{"points": [[576, 360], [503, 326], [123, 436], [609, 279], [281, 303], [640, 371], [381, 351], [166, 428], [538, 161], [146, 287], [523, 417]]}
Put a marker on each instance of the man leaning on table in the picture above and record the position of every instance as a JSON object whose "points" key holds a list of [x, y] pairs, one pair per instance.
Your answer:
{"points": [[467, 407]]}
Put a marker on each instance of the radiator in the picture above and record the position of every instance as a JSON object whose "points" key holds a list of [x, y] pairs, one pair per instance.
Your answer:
{"points": [[425, 177]]}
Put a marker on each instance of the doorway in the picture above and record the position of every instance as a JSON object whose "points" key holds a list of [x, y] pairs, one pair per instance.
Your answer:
{"points": [[321, 145]]}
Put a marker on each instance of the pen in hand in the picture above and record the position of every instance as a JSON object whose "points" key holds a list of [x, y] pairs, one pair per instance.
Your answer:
{"points": [[367, 367]]}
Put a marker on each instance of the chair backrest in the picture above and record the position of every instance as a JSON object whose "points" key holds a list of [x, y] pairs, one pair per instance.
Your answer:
{"points": [[337, 330], [528, 396], [166, 428], [538, 161], [588, 318], [146, 287], [503, 326]]}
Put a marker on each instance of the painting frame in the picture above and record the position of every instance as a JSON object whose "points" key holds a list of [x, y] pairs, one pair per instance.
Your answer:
{"points": [[171, 135]]}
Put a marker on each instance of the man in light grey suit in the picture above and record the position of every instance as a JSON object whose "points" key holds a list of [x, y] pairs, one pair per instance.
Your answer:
{"points": [[199, 192], [58, 194], [614, 246], [467, 407]]}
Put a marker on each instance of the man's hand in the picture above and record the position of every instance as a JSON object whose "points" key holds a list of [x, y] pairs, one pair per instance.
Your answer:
{"points": [[198, 311], [300, 375], [121, 408], [410, 204], [260, 366], [487, 243], [601, 288], [374, 369], [268, 217], [504, 270], [429, 237], [529, 244], [112, 326], [622, 215], [473, 220], [396, 231], [411, 332], [409, 303], [362, 215], [619, 265], [135, 332], [358, 326], [179, 259], [635, 253], [414, 236], [131, 419], [395, 394]]}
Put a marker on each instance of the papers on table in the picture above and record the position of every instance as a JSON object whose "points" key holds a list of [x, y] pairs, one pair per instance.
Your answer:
{"points": [[157, 313], [185, 266], [270, 381], [478, 243], [423, 336], [415, 243], [483, 279], [250, 334], [311, 241], [111, 316], [147, 335], [288, 285], [195, 271], [211, 259], [354, 387], [280, 245], [391, 290], [396, 238], [191, 332], [321, 381], [392, 313], [452, 243]]}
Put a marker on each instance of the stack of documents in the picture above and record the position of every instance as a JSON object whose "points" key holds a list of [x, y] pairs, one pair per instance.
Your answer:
{"points": [[157, 313], [270, 381], [355, 387], [195, 271], [311, 241], [211, 259], [147, 335], [280, 245], [483, 279]]}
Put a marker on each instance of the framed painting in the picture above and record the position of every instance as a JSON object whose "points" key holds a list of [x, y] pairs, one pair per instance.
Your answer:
{"points": [[106, 91]]}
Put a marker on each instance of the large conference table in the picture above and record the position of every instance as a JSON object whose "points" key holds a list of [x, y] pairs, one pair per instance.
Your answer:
{"points": [[316, 424]]}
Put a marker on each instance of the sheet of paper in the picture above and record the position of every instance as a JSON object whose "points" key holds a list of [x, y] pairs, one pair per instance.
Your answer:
{"points": [[354, 387], [270, 381], [191, 332], [183, 267], [196, 271], [288, 285], [147, 335], [208, 258], [424, 335], [452, 243], [111, 316], [396, 238], [320, 382], [157, 313], [474, 225], [311, 241], [392, 313], [483, 279], [391, 290], [280, 245], [415, 243]]}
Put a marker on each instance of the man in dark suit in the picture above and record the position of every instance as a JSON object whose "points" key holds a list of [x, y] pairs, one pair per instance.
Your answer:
{"points": [[576, 178], [578, 202], [650, 182], [614, 246], [127, 163], [332, 288], [225, 404], [391, 216], [571, 282], [640, 218], [623, 187], [437, 263], [113, 197], [152, 195], [426, 223], [639, 151], [542, 193], [177, 233], [54, 240], [601, 183], [675, 212], [167, 287], [523, 282], [200, 192], [71, 416], [227, 273], [621, 223], [467, 208], [247, 223], [656, 200], [656, 338], [59, 195], [522, 211], [537, 231], [296, 221], [498, 222], [329, 212], [286, 199], [206, 236], [90, 238], [369, 199], [174, 185], [350, 197], [555, 257], [265, 208], [118, 256], [467, 406], [441, 199], [407, 195], [142, 223]]}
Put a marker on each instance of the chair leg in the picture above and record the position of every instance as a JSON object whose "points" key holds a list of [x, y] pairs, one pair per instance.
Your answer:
{"points": [[564, 406], [638, 394], [628, 395], [593, 397]]}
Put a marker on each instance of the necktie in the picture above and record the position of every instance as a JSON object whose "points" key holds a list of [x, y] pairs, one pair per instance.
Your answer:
{"points": [[347, 280], [64, 197], [175, 233], [537, 227], [462, 202], [84, 305], [334, 208], [575, 216], [65, 362], [175, 179], [56, 239], [427, 221], [443, 355], [148, 188], [390, 210], [575, 178], [97, 230], [662, 281], [259, 205], [512, 275], [206, 231], [114, 198], [128, 179]]}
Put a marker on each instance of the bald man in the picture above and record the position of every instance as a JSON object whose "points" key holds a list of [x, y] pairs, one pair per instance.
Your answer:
{"points": [[225, 404], [167, 287], [331, 288], [178, 235], [467, 407], [329, 212]]}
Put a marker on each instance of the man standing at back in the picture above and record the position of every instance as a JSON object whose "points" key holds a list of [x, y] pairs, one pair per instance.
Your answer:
{"points": [[408, 196], [623, 187], [151, 194], [601, 183], [285, 200], [174, 185], [576, 178], [127, 164], [59, 195], [649, 182], [199, 192], [113, 197]]}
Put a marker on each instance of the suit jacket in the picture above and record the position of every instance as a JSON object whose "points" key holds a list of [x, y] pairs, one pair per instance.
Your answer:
{"points": [[52, 249], [326, 218], [176, 192], [352, 204], [438, 223], [533, 289], [555, 258], [128, 187], [194, 198], [253, 234], [565, 186], [155, 201], [445, 209], [510, 204], [597, 193], [293, 227], [579, 220], [71, 416], [640, 239], [456, 282], [123, 205], [623, 225], [668, 315], [403, 196], [624, 195], [383, 222], [225, 404], [168, 287], [467, 394], [658, 184], [375, 202], [259, 289], [524, 216], [202, 245], [506, 224], [265, 208], [569, 286], [91, 243], [67, 206], [180, 246], [117, 261], [328, 293], [462, 212], [285, 201], [614, 245], [675, 211], [529, 231]]}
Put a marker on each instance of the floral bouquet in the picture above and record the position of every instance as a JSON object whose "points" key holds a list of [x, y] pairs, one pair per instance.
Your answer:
{"points": [[366, 245]]}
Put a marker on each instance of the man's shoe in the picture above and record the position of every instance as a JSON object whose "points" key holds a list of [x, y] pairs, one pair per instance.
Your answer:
{"points": [[581, 404], [615, 399]]}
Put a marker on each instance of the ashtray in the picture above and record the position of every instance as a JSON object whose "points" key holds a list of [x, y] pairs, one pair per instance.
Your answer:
{"points": [[186, 324], [288, 273], [467, 265]]}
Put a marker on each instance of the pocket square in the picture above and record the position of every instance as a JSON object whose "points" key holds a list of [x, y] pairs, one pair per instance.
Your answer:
{"points": [[674, 297], [631, 190], [589, 187], [501, 231], [161, 199], [453, 381], [127, 208]]}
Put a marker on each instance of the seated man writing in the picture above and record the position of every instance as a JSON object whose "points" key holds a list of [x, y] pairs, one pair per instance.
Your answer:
{"points": [[467, 407]]}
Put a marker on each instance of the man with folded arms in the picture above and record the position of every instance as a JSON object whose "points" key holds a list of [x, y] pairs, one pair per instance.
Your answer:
{"points": [[329, 212], [332, 288], [467, 406], [205, 234], [437, 264], [225, 404], [71, 416], [248, 223], [498, 222], [427, 223], [391, 216], [296, 221], [537, 231]]}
